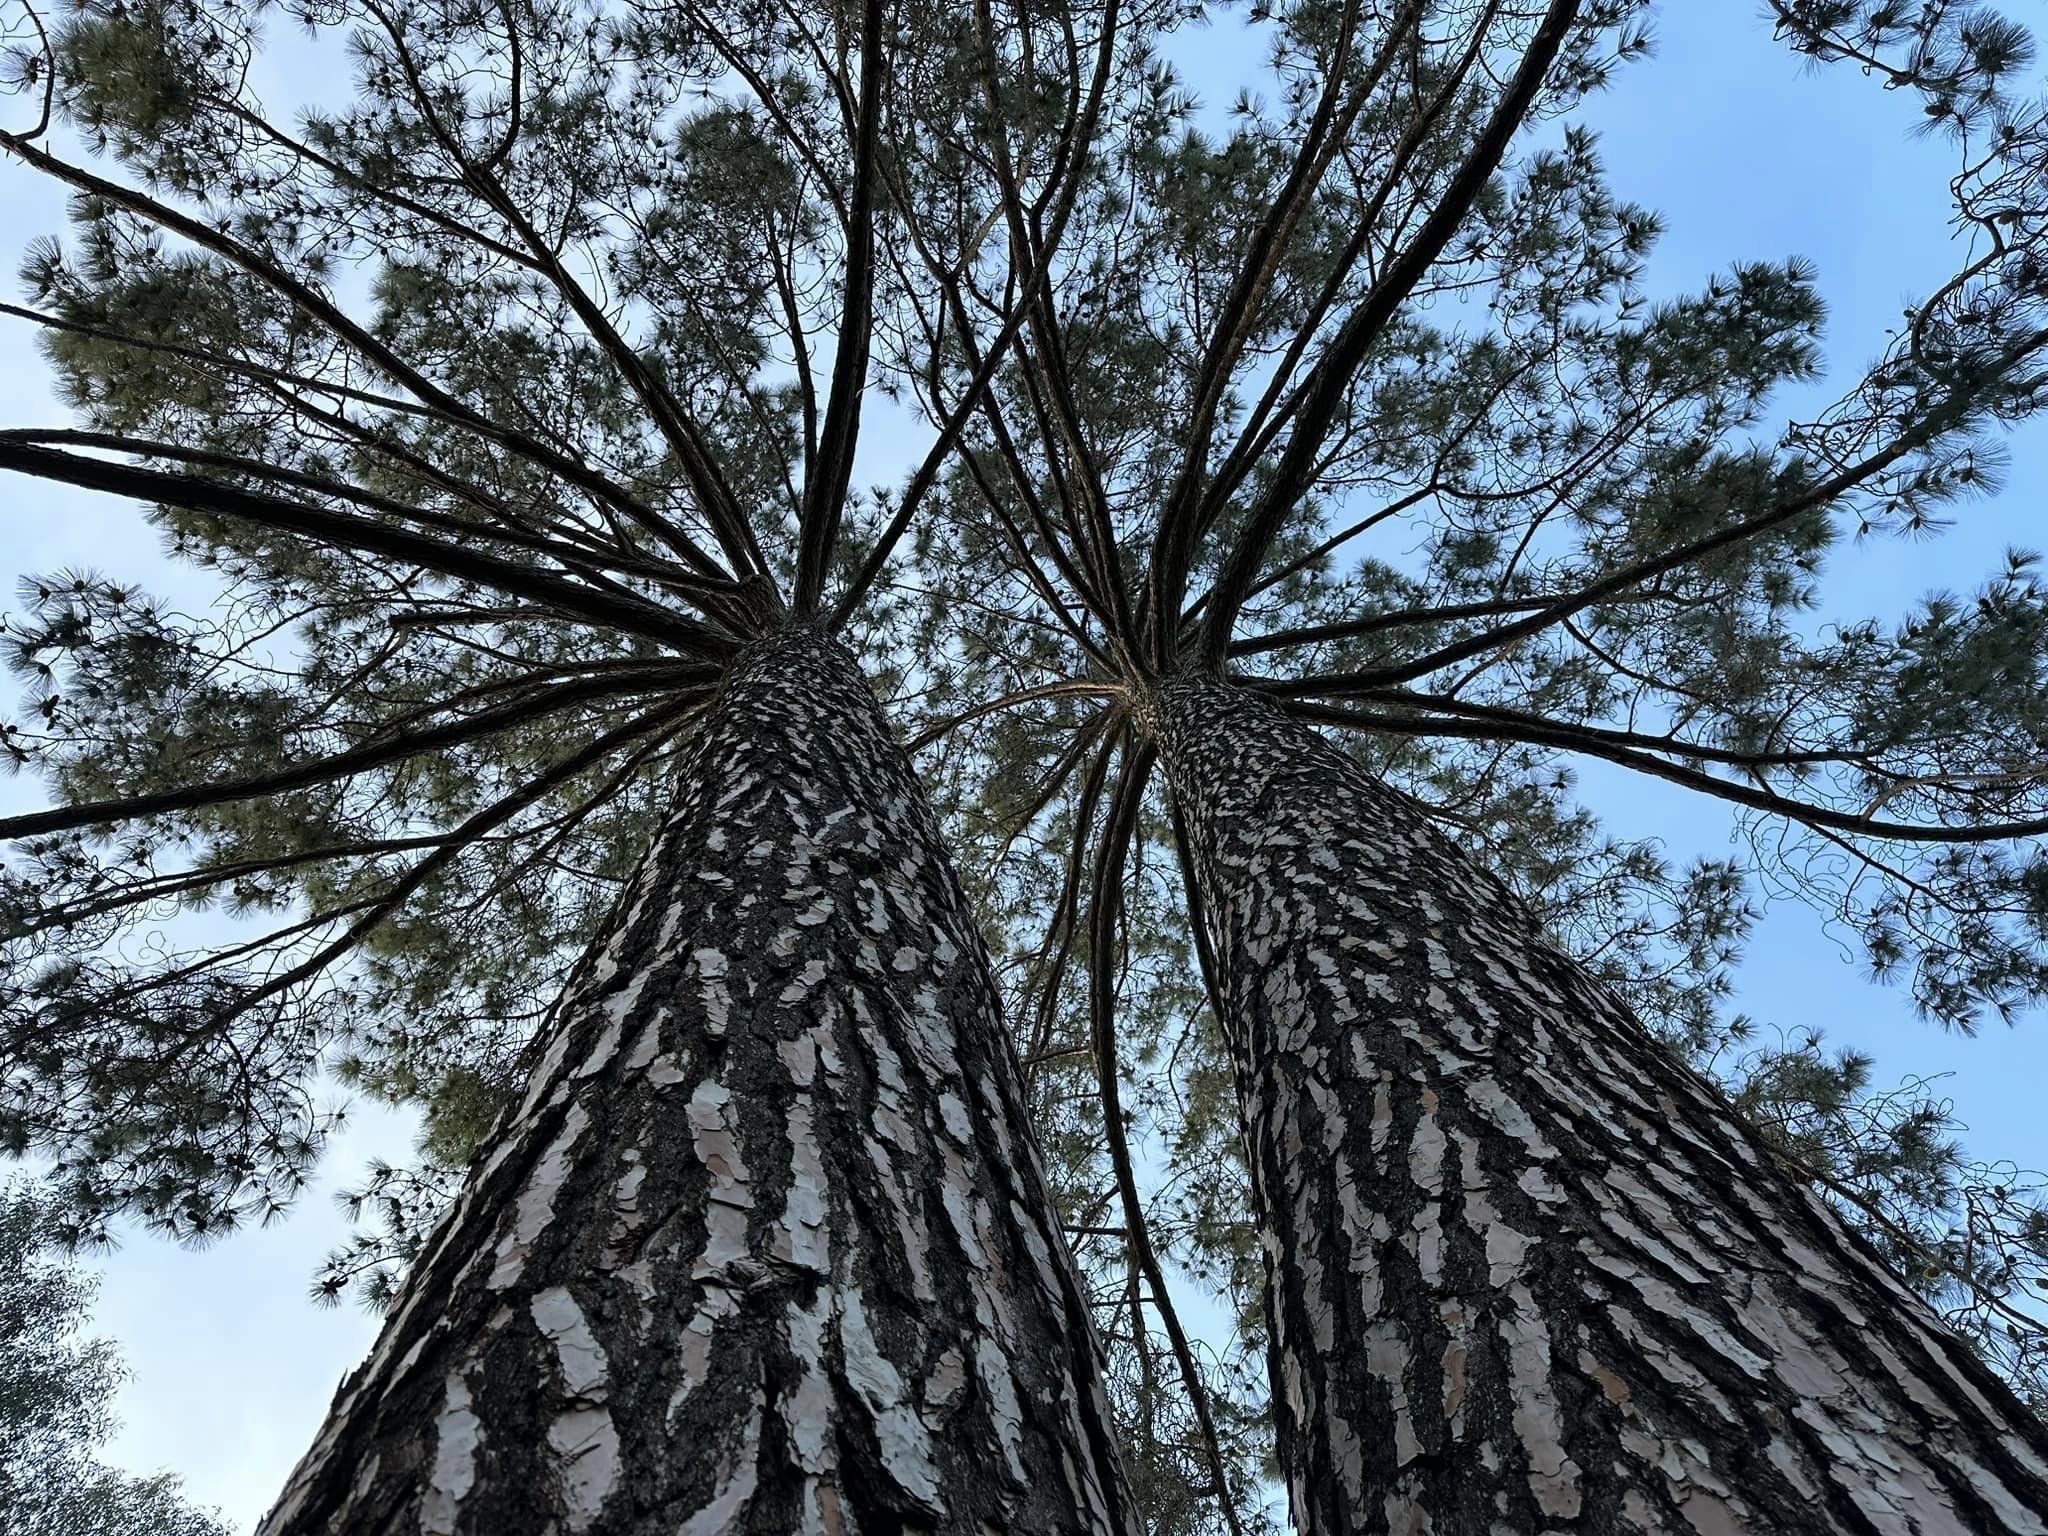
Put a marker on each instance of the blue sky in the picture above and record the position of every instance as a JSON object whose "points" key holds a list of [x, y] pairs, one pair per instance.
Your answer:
{"points": [[1749, 154], [1745, 152]]}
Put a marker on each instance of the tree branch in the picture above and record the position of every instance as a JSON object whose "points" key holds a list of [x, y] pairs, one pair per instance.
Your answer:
{"points": [[1535, 731], [376, 753], [1334, 373], [826, 490], [343, 529], [1105, 904]]}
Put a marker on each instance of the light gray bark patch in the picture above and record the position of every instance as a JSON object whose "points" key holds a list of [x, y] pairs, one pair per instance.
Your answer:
{"points": [[1522, 1265], [456, 1433], [764, 1247]]}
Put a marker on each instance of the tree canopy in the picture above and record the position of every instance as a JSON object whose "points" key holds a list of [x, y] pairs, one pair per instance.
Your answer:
{"points": [[56, 1392], [492, 392]]}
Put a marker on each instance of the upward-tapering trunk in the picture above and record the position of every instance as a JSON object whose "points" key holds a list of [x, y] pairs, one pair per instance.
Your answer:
{"points": [[766, 1247], [1525, 1272]]}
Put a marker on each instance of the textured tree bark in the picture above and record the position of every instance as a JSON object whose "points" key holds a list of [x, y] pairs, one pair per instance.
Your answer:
{"points": [[766, 1246], [1525, 1272]]}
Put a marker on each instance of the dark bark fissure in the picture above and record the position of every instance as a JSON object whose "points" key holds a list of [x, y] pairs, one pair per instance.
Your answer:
{"points": [[1526, 1272], [766, 1247]]}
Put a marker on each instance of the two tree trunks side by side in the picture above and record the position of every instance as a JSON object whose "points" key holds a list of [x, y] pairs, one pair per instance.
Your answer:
{"points": [[766, 1246], [1525, 1272]]}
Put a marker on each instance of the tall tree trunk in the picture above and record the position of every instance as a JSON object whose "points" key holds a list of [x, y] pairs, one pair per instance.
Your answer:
{"points": [[1525, 1271], [766, 1247]]}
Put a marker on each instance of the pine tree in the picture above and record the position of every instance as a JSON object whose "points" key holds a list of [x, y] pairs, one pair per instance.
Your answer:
{"points": [[1530, 1270], [1251, 360], [877, 1325], [523, 650]]}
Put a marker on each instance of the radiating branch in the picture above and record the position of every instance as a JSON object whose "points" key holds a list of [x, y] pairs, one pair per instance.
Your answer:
{"points": [[391, 747], [826, 489], [1535, 731], [1105, 906], [608, 610], [1336, 371]]}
